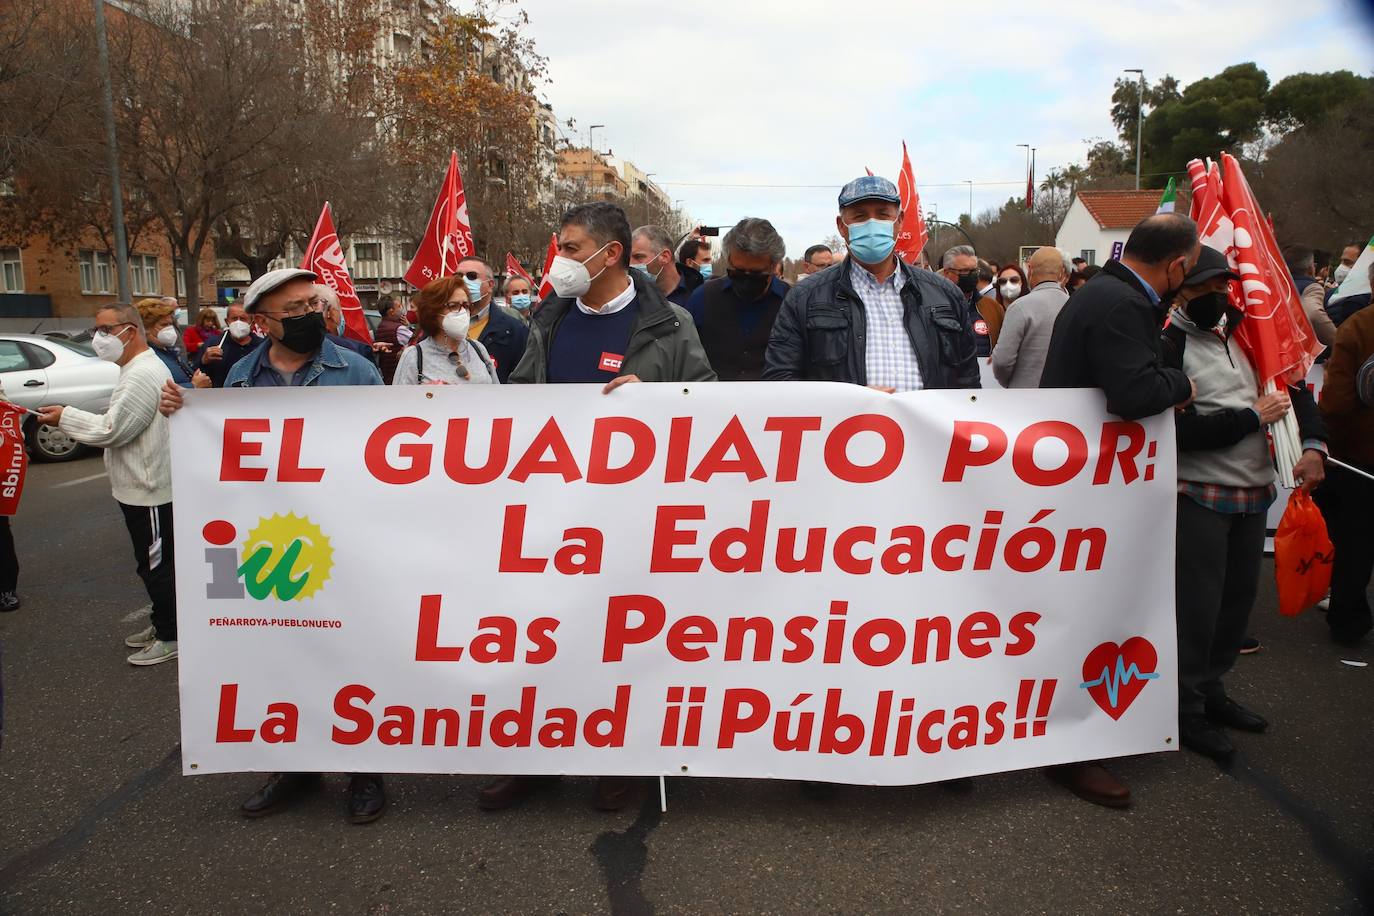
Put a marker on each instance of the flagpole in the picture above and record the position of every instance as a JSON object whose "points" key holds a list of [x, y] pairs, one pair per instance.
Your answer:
{"points": [[1351, 469]]}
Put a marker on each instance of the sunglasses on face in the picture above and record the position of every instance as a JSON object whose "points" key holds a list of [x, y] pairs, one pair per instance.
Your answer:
{"points": [[473, 275]]}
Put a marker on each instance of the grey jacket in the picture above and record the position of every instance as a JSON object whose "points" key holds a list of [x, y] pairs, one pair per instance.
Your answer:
{"points": [[1019, 357], [664, 346]]}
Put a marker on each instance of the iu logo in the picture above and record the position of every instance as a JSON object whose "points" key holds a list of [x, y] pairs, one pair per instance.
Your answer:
{"points": [[285, 556]]}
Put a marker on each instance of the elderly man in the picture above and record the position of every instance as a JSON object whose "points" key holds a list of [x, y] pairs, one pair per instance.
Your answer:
{"points": [[328, 304], [218, 359], [139, 463], [1225, 487], [1107, 337], [814, 260], [1018, 359], [298, 354], [735, 313], [961, 266], [873, 320], [501, 333], [651, 250]]}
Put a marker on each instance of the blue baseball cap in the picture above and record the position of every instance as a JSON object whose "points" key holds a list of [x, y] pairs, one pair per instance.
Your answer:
{"points": [[869, 187]]}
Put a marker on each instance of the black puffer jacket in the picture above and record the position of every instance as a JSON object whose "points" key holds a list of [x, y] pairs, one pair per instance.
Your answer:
{"points": [[819, 332]]}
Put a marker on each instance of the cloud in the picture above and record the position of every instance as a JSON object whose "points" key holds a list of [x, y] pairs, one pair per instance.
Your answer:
{"points": [[803, 96]]}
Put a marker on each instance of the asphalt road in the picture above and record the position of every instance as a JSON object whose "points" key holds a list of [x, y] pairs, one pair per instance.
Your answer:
{"points": [[96, 818]]}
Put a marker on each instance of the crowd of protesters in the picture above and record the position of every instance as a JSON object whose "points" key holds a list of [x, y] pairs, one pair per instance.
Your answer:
{"points": [[1154, 330]]}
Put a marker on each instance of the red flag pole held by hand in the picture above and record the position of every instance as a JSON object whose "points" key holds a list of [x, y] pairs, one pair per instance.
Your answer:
{"points": [[325, 258]]}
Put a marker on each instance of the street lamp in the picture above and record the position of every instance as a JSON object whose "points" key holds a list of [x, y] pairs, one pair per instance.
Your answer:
{"points": [[969, 182], [121, 245], [1139, 121], [1030, 179], [591, 135]]}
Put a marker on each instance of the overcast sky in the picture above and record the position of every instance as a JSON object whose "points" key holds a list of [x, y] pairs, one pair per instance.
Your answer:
{"points": [[721, 100]]}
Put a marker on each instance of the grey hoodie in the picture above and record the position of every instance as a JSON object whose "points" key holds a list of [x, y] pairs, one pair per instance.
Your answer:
{"points": [[1226, 381]]}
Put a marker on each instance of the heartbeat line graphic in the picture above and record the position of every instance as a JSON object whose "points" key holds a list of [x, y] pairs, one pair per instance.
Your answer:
{"points": [[1114, 679]]}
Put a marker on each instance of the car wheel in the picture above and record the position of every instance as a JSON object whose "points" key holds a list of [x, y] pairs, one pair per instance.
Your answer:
{"points": [[48, 443]]}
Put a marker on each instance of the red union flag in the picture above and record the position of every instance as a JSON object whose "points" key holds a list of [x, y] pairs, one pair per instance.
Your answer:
{"points": [[513, 269], [546, 287], [1214, 227], [1276, 332], [911, 234], [14, 459], [448, 237], [324, 256]]}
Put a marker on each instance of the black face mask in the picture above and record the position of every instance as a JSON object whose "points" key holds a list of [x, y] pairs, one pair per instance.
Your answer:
{"points": [[750, 286], [304, 333], [1206, 311], [968, 284]]}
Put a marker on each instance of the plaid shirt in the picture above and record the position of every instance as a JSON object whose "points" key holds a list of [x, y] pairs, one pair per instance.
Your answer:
{"points": [[888, 351], [1228, 500]]}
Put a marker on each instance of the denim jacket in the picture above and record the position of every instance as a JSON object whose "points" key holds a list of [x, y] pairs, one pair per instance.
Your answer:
{"points": [[331, 366]]}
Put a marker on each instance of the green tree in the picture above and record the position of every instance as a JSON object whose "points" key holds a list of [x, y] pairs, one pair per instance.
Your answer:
{"points": [[1125, 105], [1304, 98], [1221, 112]]}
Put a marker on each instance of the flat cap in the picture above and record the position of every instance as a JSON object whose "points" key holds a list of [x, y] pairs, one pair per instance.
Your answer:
{"points": [[869, 187], [271, 280]]}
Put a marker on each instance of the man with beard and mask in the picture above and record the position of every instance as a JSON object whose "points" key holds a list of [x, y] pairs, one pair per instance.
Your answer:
{"points": [[138, 462], [218, 356], [502, 334], [695, 255], [735, 313], [1107, 337], [873, 319], [961, 266], [1225, 487], [297, 354], [651, 250], [608, 324]]}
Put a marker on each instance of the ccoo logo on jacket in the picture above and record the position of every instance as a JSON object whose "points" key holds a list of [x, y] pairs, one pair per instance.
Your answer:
{"points": [[285, 556]]}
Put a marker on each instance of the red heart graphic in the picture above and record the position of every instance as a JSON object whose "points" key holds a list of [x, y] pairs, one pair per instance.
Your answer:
{"points": [[1114, 675]]}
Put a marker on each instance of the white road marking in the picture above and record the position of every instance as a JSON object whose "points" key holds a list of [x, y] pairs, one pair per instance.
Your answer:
{"points": [[72, 483], [134, 615]]}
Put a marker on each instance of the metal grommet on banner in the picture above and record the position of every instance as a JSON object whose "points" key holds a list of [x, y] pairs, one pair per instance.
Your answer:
{"points": [[1168, 740], [195, 766], [973, 397], [686, 391], [684, 768], [429, 394]]}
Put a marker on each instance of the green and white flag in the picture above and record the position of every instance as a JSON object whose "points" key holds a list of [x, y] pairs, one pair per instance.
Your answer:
{"points": [[1166, 203]]}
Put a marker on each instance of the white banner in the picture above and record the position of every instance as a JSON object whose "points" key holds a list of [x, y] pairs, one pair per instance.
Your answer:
{"points": [[793, 580]]}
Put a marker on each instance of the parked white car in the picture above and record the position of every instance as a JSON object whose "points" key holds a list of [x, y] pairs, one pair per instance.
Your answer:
{"points": [[36, 371]]}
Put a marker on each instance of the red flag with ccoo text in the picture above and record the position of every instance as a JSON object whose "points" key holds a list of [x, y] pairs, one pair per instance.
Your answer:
{"points": [[14, 458], [448, 237], [324, 256], [513, 269], [546, 285], [1276, 332], [911, 234]]}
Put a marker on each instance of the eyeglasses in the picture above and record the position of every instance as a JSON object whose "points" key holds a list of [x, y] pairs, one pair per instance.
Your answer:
{"points": [[297, 308], [109, 328], [739, 273], [473, 275], [963, 273], [454, 306], [459, 369], [1005, 280]]}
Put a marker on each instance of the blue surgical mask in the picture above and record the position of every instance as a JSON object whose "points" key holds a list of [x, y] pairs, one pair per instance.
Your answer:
{"points": [[342, 324], [872, 241], [520, 301], [474, 289], [705, 271]]}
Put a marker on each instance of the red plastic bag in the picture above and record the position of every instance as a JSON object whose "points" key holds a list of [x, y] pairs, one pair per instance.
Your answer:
{"points": [[1302, 555]]}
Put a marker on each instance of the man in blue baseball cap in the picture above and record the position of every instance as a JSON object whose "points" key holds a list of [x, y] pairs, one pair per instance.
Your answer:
{"points": [[873, 319]]}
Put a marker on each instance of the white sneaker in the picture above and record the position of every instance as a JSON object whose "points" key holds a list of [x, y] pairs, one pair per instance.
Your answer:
{"points": [[155, 654], [142, 639]]}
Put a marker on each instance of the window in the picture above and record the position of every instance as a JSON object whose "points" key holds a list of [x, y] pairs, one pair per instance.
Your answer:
{"points": [[143, 275], [408, 250], [401, 44], [180, 272], [1089, 255], [12, 357], [367, 251], [11, 271], [96, 275]]}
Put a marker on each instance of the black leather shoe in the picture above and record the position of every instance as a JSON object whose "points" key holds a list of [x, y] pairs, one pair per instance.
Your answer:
{"points": [[279, 790], [1226, 711], [614, 792], [511, 790], [1197, 733], [366, 798]]}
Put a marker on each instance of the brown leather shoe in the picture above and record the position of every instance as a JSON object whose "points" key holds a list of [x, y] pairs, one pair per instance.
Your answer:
{"points": [[1090, 781], [614, 792], [511, 790]]}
